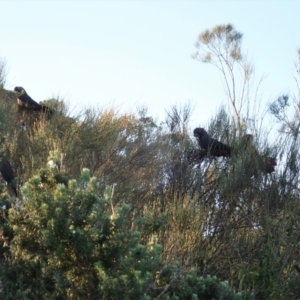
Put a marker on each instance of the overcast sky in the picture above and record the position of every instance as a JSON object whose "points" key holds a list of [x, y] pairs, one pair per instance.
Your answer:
{"points": [[134, 53]]}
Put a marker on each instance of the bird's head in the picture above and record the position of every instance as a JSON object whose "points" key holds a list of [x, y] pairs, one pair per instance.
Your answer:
{"points": [[199, 132], [19, 90]]}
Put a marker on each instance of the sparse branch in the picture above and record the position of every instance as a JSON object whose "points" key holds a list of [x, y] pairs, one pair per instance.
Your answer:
{"points": [[174, 277], [221, 46]]}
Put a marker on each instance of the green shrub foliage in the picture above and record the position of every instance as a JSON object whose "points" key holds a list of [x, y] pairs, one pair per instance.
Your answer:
{"points": [[70, 243]]}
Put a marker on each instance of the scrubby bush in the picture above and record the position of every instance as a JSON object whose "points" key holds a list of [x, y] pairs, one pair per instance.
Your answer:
{"points": [[71, 243], [127, 208]]}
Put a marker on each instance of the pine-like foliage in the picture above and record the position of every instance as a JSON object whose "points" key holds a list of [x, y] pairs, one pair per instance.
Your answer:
{"points": [[70, 243]]}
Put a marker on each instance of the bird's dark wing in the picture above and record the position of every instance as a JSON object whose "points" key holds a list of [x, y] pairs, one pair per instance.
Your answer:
{"points": [[218, 149], [7, 173], [28, 100]]}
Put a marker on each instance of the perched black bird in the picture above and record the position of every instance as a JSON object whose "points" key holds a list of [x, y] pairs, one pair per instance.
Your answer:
{"points": [[212, 146], [24, 100], [7, 173]]}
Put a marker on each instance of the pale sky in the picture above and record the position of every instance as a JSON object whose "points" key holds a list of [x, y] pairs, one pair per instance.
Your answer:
{"points": [[134, 53]]}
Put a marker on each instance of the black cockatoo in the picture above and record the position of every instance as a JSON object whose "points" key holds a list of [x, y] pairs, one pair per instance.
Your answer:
{"points": [[212, 146], [24, 100], [7, 173]]}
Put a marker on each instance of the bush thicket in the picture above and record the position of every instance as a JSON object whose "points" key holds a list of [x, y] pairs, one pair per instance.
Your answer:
{"points": [[116, 206]]}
